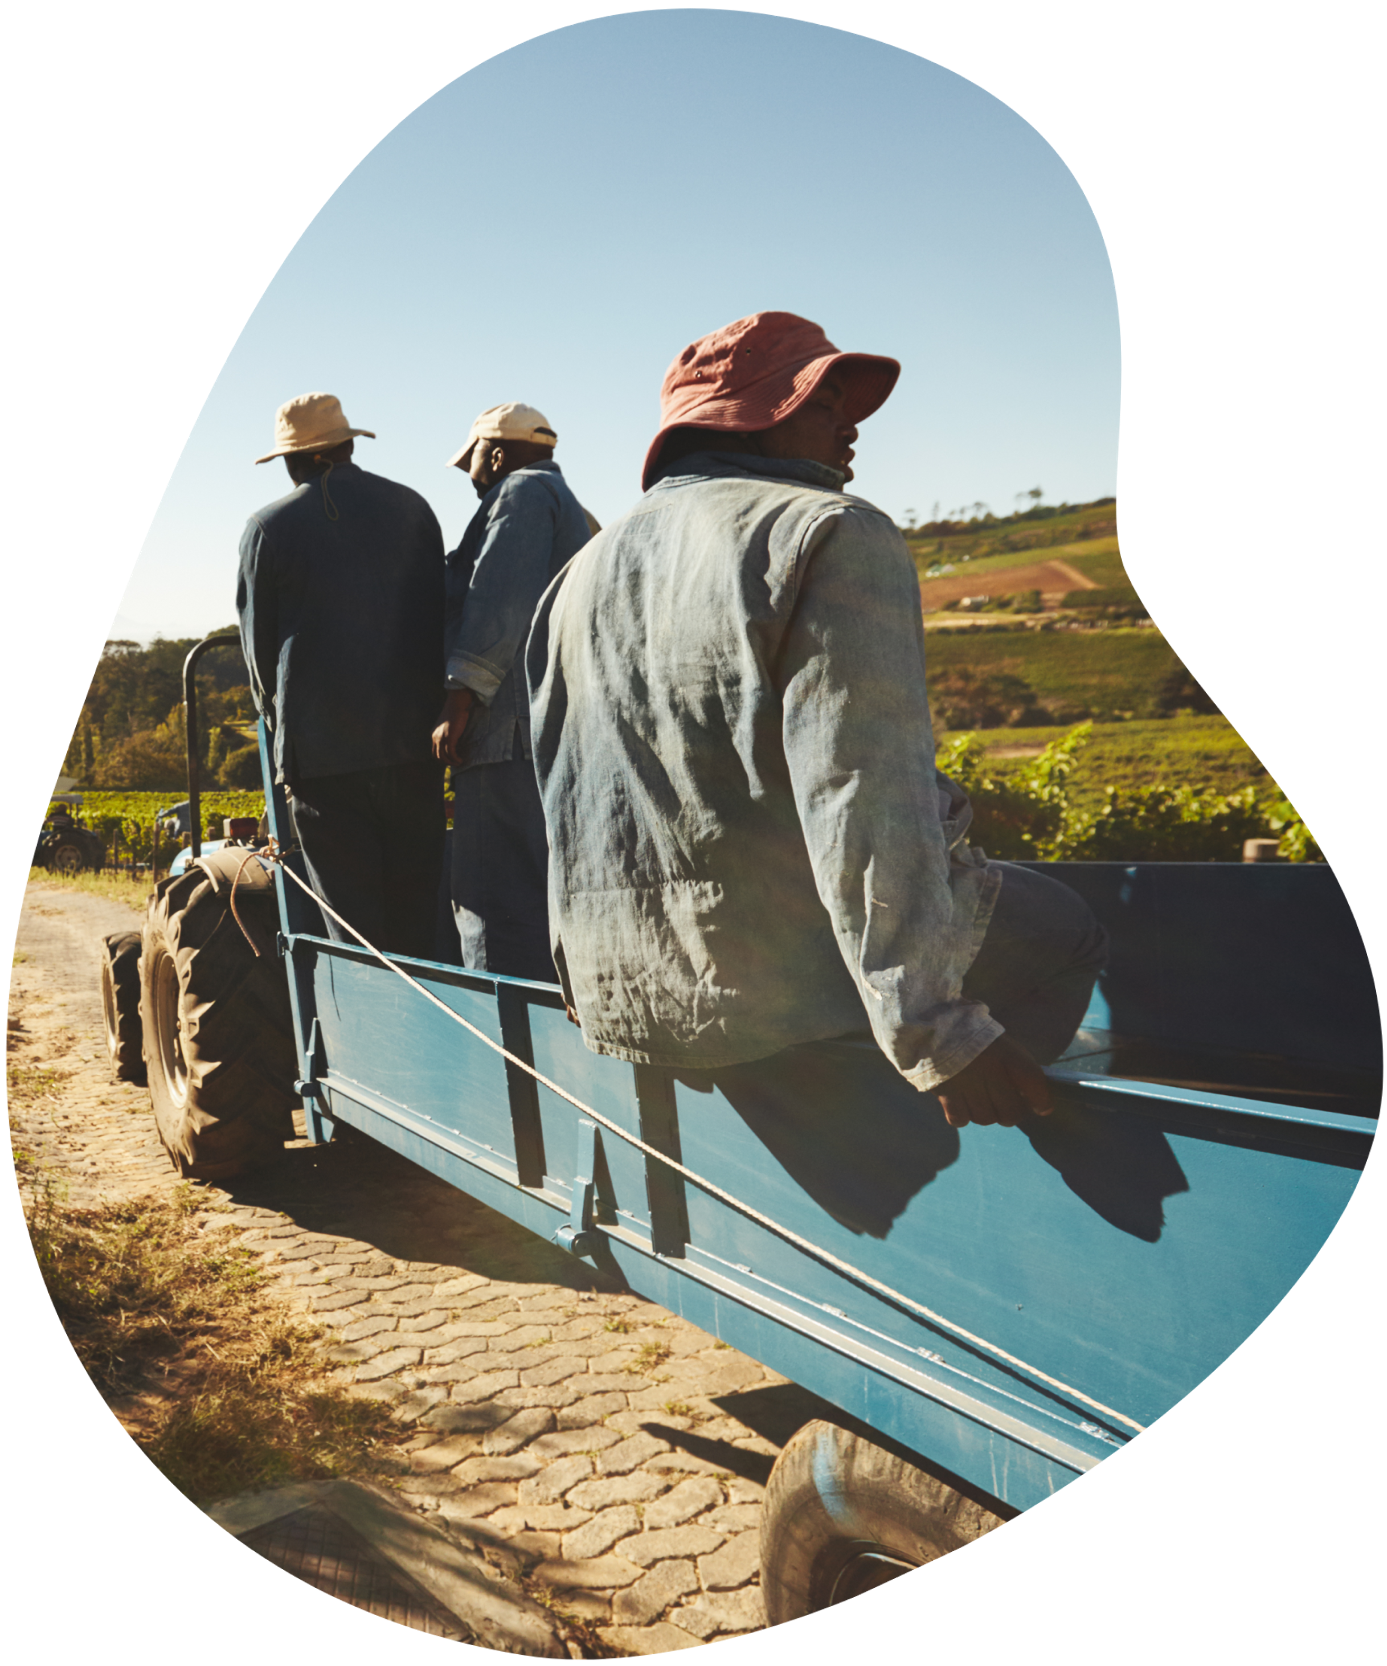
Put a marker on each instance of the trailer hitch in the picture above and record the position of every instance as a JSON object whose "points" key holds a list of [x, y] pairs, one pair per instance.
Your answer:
{"points": [[577, 1235]]}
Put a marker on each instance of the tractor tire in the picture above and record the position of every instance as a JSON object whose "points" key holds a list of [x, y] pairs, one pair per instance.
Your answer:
{"points": [[67, 856], [218, 1032], [120, 1006], [842, 1516]]}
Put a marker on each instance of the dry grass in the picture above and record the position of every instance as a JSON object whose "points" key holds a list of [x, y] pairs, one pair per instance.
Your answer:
{"points": [[115, 887], [209, 1374]]}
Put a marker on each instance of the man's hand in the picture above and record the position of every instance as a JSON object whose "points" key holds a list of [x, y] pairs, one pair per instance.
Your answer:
{"points": [[1000, 1085], [452, 720]]}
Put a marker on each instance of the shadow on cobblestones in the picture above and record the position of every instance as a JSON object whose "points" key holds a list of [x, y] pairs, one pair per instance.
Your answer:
{"points": [[590, 1444], [357, 1189]]}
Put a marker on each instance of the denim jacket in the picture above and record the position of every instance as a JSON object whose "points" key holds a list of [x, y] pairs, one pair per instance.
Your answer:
{"points": [[749, 845], [527, 527]]}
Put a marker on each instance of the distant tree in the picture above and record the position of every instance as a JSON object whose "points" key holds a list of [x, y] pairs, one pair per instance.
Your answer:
{"points": [[133, 693], [147, 761], [225, 739], [963, 698], [241, 768]]}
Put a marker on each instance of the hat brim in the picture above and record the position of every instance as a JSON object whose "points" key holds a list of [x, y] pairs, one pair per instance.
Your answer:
{"points": [[324, 442], [872, 379], [459, 459]]}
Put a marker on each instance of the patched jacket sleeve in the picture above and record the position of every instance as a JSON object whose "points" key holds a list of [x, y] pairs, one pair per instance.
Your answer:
{"points": [[510, 573], [258, 614], [858, 743]]}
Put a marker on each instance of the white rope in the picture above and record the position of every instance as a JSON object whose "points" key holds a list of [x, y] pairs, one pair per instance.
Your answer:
{"points": [[822, 1255]]}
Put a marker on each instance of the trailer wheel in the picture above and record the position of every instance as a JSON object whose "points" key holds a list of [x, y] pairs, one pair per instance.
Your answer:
{"points": [[217, 1029], [842, 1516], [120, 1005]]}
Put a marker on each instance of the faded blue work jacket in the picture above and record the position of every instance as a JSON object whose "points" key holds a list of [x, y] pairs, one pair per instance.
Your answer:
{"points": [[340, 601], [749, 846], [525, 530]]}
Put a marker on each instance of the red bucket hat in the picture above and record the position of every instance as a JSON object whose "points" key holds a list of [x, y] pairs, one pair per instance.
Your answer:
{"points": [[756, 372]]}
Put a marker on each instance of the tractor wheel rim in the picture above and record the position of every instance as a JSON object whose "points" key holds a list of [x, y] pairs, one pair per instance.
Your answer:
{"points": [[864, 1570], [67, 860], [168, 1023]]}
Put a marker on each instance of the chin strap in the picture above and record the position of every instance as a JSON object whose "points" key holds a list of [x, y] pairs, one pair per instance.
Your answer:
{"points": [[329, 507]]}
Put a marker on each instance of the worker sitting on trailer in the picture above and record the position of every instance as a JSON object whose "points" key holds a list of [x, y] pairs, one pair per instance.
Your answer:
{"points": [[527, 527], [340, 600], [751, 848]]}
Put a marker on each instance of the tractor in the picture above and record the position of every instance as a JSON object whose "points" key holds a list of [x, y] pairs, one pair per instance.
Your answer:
{"points": [[65, 845]]}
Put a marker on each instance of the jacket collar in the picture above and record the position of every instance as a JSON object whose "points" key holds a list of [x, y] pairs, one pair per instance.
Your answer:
{"points": [[725, 465]]}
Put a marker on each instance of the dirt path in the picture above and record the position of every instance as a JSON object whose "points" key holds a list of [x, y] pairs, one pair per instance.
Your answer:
{"points": [[1080, 581], [597, 1442]]}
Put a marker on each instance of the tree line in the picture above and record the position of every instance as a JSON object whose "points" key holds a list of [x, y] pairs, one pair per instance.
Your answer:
{"points": [[130, 732]]}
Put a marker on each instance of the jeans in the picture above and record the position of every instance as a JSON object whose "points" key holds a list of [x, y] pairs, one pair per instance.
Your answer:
{"points": [[501, 871], [1038, 962], [1037, 966], [373, 846]]}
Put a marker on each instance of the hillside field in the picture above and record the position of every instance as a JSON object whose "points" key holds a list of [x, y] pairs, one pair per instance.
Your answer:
{"points": [[1099, 562], [1109, 673], [1052, 552], [1173, 751]]}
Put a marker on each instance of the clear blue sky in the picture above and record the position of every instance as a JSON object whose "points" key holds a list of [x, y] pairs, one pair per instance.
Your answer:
{"points": [[555, 225]]}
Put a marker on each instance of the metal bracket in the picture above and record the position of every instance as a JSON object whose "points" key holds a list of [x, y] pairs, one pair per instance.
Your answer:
{"points": [[578, 1235], [319, 1125], [307, 1087], [281, 944]]}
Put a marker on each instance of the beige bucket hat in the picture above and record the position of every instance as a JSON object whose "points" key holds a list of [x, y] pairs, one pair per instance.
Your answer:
{"points": [[507, 422], [312, 422]]}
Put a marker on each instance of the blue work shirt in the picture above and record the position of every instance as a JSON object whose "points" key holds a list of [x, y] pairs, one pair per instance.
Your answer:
{"points": [[749, 845], [342, 623], [527, 528]]}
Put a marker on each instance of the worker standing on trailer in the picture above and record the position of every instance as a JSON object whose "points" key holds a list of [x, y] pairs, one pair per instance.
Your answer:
{"points": [[751, 848], [340, 600], [527, 528]]}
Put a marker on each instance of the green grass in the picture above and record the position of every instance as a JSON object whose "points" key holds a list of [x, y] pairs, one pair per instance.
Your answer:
{"points": [[1055, 535], [1175, 751], [981, 564], [1114, 672], [649, 1357]]}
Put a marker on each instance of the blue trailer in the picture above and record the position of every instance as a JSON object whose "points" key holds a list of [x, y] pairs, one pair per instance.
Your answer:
{"points": [[992, 1310]]}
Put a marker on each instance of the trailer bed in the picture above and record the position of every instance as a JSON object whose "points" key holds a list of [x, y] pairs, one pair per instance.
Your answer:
{"points": [[1212, 1118]]}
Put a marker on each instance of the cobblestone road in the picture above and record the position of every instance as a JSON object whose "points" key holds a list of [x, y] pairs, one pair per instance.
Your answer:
{"points": [[607, 1448]]}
